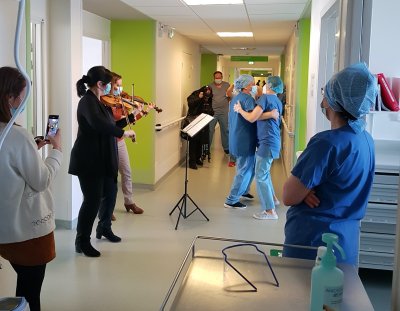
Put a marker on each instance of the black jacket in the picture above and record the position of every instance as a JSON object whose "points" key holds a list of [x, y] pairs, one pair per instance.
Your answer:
{"points": [[95, 149], [198, 105]]}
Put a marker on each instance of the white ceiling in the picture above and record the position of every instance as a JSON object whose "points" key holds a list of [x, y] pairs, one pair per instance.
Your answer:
{"points": [[271, 21]]}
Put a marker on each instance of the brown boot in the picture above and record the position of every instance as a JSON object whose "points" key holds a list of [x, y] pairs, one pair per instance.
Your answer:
{"points": [[134, 208]]}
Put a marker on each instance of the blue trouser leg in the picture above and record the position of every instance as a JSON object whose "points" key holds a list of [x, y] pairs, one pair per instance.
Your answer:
{"points": [[244, 171], [265, 188]]}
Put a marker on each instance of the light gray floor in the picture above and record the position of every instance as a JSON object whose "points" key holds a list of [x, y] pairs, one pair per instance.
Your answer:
{"points": [[136, 273]]}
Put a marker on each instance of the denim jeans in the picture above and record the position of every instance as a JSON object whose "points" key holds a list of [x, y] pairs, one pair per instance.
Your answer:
{"points": [[265, 189], [222, 119], [242, 180]]}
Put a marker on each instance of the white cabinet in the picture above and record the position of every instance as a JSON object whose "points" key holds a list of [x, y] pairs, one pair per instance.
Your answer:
{"points": [[378, 227]]}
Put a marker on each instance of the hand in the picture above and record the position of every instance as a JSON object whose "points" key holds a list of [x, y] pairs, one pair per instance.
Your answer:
{"points": [[130, 134], [201, 94], [311, 199], [55, 140], [237, 107], [40, 141], [274, 114]]}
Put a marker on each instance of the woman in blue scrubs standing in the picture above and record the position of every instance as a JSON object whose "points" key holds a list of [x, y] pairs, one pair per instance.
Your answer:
{"points": [[242, 142], [329, 186]]}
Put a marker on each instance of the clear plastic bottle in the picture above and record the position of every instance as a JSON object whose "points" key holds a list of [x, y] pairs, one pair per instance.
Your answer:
{"points": [[327, 279]]}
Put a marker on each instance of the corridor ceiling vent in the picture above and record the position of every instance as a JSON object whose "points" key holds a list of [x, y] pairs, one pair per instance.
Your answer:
{"points": [[212, 2], [235, 34]]}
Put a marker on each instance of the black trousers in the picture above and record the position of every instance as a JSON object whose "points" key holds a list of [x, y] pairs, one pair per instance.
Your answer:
{"points": [[99, 196], [29, 283]]}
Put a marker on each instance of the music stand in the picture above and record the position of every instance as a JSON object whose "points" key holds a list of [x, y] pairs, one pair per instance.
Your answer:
{"points": [[191, 130]]}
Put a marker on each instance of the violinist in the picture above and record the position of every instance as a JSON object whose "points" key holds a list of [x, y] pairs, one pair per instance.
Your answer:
{"points": [[94, 158], [124, 168]]}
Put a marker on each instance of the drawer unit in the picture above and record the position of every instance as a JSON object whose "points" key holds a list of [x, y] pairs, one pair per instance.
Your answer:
{"points": [[375, 260], [378, 227], [372, 242]]}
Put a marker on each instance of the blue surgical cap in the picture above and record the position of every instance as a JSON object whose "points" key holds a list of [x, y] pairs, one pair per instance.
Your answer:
{"points": [[243, 81], [275, 83], [352, 90]]}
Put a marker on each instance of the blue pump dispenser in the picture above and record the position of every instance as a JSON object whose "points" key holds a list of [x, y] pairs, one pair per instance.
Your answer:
{"points": [[326, 278]]}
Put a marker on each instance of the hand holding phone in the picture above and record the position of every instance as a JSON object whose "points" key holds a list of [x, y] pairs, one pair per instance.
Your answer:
{"points": [[52, 125]]}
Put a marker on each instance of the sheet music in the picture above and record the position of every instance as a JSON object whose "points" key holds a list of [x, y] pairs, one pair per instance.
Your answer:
{"points": [[197, 124]]}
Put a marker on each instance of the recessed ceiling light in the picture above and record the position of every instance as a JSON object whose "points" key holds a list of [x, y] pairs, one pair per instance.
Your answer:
{"points": [[212, 2], [235, 34]]}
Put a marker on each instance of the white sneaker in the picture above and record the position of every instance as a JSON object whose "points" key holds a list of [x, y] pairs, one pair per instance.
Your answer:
{"points": [[277, 203], [266, 216]]}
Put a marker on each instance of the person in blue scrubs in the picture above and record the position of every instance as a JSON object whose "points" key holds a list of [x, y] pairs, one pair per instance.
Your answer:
{"points": [[329, 186], [267, 113], [242, 142]]}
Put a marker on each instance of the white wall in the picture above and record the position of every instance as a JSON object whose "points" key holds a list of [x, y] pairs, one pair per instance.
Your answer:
{"points": [[8, 22], [384, 41], [65, 68], [177, 74], [318, 9]]}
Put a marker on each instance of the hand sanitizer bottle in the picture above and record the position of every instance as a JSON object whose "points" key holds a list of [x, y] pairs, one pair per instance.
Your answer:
{"points": [[327, 279]]}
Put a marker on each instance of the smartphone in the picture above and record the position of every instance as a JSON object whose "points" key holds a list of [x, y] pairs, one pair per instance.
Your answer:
{"points": [[52, 125]]}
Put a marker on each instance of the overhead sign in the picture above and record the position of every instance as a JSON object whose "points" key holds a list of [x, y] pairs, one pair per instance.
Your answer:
{"points": [[245, 58]]}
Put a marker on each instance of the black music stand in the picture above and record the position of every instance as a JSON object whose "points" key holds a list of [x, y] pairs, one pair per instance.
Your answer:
{"points": [[191, 130]]}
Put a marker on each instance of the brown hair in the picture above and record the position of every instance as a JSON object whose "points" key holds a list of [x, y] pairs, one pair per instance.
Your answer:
{"points": [[12, 83]]}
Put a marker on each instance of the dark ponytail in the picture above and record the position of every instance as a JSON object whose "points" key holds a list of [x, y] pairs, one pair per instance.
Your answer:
{"points": [[95, 74]]}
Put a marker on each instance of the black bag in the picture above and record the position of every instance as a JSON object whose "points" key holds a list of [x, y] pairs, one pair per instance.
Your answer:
{"points": [[185, 122]]}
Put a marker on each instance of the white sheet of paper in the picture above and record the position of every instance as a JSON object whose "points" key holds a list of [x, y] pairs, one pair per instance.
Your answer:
{"points": [[197, 124]]}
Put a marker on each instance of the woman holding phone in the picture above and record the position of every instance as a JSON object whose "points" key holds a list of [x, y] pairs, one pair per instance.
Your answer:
{"points": [[27, 205], [94, 158]]}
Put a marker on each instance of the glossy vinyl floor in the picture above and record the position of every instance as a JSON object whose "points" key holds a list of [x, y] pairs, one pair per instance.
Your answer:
{"points": [[137, 273]]}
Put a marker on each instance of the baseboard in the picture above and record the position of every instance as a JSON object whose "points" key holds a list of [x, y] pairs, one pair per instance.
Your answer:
{"points": [[66, 224]]}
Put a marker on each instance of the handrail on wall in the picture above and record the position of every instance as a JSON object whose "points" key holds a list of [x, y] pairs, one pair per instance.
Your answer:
{"points": [[285, 127], [160, 127]]}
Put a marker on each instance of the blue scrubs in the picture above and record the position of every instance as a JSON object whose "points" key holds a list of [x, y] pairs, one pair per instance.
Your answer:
{"points": [[242, 144], [339, 165]]}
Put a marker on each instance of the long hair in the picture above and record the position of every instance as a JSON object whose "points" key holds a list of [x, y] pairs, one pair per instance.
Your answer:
{"points": [[95, 74], [12, 83]]}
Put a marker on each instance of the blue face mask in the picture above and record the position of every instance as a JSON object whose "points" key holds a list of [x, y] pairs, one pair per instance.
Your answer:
{"points": [[254, 90], [13, 111], [118, 91], [107, 89]]}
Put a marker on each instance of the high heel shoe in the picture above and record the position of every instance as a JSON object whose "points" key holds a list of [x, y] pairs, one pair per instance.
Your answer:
{"points": [[134, 208], [87, 249], [108, 234]]}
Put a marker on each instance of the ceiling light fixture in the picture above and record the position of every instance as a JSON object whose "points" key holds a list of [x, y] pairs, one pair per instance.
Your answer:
{"points": [[235, 34], [212, 2]]}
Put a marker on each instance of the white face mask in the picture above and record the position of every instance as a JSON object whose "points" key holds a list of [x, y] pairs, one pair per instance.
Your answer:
{"points": [[254, 90], [218, 81]]}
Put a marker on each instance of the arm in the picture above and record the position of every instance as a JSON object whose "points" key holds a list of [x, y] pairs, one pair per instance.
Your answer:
{"points": [[273, 114], [249, 116], [294, 192], [229, 91]]}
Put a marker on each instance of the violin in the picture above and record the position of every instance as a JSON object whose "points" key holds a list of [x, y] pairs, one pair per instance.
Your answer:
{"points": [[126, 97], [118, 102]]}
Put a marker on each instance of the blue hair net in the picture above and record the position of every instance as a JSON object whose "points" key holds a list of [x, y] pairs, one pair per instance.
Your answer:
{"points": [[275, 83], [243, 81], [352, 90]]}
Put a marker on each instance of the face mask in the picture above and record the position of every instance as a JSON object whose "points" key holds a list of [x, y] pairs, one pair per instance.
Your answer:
{"points": [[13, 110], [118, 91], [107, 89], [254, 90], [218, 81]]}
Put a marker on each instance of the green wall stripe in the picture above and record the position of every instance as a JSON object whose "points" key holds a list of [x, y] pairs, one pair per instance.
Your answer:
{"points": [[208, 67], [133, 57], [282, 75], [302, 83]]}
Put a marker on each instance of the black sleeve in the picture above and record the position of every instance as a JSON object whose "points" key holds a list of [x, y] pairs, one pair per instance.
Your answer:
{"points": [[97, 116], [195, 104]]}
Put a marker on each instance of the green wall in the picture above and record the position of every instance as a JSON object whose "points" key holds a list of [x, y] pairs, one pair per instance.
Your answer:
{"points": [[208, 67], [303, 50], [133, 57]]}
